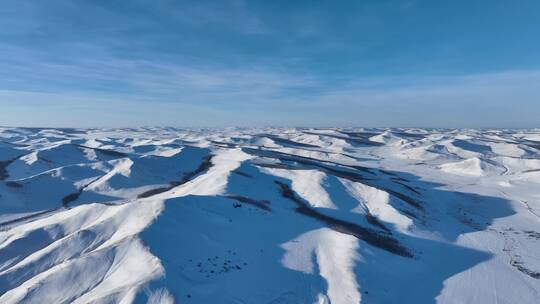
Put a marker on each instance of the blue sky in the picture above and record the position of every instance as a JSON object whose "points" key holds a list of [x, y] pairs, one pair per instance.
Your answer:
{"points": [[257, 63]]}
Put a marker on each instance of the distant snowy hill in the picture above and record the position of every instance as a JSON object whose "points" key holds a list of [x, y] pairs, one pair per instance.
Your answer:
{"points": [[341, 216]]}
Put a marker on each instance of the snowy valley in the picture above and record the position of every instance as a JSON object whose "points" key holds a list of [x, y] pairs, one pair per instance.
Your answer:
{"points": [[298, 215]]}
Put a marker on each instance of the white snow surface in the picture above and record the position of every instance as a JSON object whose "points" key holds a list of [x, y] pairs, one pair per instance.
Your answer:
{"points": [[273, 215]]}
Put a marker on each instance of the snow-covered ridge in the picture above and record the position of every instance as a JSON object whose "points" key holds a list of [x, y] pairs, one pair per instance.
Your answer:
{"points": [[165, 215]]}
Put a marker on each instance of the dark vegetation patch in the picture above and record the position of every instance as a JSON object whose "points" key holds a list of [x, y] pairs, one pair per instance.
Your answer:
{"points": [[3, 167], [360, 134], [71, 197], [224, 144], [370, 236], [532, 143], [519, 266], [66, 200], [470, 146], [72, 131], [288, 142], [389, 173], [155, 191], [416, 136], [351, 140], [407, 199], [532, 234], [408, 187], [375, 222], [241, 173], [332, 170], [105, 151], [276, 166], [303, 159], [407, 212], [362, 138], [338, 173], [215, 265], [4, 225], [13, 184], [204, 166], [493, 140], [262, 204]]}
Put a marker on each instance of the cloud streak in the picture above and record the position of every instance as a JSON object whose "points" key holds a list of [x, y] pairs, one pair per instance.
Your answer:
{"points": [[190, 97], [246, 63]]}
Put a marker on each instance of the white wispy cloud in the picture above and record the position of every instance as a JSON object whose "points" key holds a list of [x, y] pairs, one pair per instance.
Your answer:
{"points": [[187, 96], [135, 61]]}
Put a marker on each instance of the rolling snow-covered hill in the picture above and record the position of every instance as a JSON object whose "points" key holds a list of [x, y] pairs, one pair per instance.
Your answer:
{"points": [[165, 215]]}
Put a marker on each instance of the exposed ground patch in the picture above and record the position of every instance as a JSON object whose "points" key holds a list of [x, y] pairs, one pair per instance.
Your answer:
{"points": [[204, 166]]}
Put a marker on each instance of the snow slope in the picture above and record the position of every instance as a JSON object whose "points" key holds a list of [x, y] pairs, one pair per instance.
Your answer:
{"points": [[166, 215]]}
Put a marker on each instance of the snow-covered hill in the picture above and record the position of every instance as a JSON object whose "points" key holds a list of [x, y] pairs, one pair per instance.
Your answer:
{"points": [[165, 215]]}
